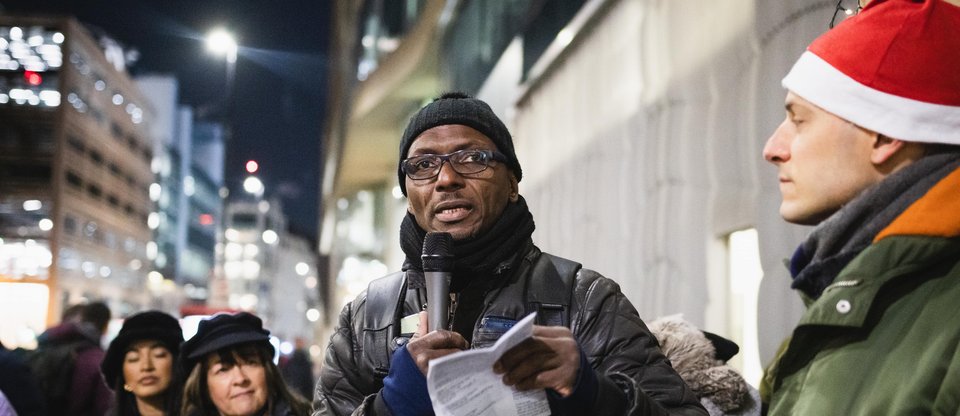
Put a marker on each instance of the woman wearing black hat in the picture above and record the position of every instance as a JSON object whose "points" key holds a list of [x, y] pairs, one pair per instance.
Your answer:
{"points": [[140, 365], [231, 372]]}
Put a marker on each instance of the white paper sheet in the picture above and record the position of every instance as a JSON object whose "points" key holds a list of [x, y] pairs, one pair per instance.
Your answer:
{"points": [[464, 384]]}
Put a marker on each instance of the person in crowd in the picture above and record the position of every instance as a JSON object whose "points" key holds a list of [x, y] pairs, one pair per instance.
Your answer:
{"points": [[230, 371], [590, 351], [869, 154], [66, 363], [18, 384], [700, 357], [140, 365], [297, 371], [6, 408]]}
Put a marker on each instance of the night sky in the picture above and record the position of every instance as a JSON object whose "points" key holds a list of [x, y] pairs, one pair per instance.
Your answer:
{"points": [[279, 85]]}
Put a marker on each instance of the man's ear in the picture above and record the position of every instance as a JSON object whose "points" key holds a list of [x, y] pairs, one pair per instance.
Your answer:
{"points": [[884, 148], [514, 188], [891, 154]]}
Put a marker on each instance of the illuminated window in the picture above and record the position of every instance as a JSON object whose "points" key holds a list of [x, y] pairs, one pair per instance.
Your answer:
{"points": [[745, 273]]}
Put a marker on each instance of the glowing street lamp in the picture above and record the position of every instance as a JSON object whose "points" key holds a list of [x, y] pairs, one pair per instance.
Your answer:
{"points": [[253, 185], [221, 42]]}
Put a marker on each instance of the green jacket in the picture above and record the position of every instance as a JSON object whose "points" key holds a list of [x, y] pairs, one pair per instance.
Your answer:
{"points": [[884, 338]]}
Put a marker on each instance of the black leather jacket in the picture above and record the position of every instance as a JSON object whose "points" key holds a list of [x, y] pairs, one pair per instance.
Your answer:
{"points": [[634, 376]]}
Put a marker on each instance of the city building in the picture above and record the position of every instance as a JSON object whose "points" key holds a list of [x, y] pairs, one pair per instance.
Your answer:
{"points": [[266, 269], [638, 124], [75, 156], [188, 165]]}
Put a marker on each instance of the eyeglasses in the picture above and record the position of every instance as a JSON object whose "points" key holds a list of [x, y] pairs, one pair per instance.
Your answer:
{"points": [[463, 162], [847, 8]]}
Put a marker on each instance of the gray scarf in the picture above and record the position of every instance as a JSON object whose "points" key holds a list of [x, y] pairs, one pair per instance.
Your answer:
{"points": [[842, 236]]}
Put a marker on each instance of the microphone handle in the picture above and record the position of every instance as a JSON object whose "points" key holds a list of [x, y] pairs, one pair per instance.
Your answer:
{"points": [[438, 299]]}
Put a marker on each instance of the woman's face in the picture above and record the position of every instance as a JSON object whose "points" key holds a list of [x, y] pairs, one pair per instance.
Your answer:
{"points": [[237, 387], [147, 368]]}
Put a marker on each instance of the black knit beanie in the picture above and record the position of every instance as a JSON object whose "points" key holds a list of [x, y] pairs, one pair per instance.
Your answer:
{"points": [[458, 108]]}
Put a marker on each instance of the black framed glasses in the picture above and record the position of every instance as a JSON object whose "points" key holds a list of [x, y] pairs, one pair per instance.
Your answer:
{"points": [[845, 8], [464, 162]]}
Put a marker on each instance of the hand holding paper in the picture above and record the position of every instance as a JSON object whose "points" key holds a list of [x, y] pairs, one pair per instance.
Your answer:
{"points": [[547, 360], [464, 383]]}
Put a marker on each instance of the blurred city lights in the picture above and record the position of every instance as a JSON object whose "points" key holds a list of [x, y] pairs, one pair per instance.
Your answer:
{"points": [[32, 78], [252, 166], [155, 191], [310, 282], [302, 268], [152, 250], [154, 278], [153, 220], [206, 219], [32, 205], [270, 237], [286, 348], [253, 185], [313, 314], [45, 224], [221, 42]]}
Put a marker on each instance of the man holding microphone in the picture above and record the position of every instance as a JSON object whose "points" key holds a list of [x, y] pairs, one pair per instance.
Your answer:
{"points": [[590, 350]]}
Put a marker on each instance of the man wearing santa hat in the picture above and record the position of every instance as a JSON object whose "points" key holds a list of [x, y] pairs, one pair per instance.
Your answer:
{"points": [[869, 153]]}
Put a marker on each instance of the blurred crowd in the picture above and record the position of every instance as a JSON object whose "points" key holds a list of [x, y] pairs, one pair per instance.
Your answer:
{"points": [[227, 367]]}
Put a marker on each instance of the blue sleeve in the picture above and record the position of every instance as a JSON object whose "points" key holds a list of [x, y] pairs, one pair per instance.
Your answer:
{"points": [[405, 387], [580, 402]]}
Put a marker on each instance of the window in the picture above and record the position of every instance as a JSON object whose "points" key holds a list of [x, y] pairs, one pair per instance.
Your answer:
{"points": [[94, 191], [244, 220], [745, 273], [96, 157], [70, 225], [116, 131], [76, 144], [74, 180]]}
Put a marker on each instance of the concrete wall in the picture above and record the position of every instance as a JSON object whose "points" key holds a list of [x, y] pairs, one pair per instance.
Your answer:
{"points": [[641, 145]]}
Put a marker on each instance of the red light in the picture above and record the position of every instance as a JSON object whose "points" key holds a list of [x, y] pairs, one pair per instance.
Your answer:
{"points": [[252, 166], [206, 219], [32, 78]]}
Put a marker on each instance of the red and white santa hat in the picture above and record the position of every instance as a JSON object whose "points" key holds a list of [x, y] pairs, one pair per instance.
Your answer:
{"points": [[894, 69]]}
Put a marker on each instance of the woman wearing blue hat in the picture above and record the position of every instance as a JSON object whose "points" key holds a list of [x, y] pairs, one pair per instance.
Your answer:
{"points": [[230, 371], [140, 365]]}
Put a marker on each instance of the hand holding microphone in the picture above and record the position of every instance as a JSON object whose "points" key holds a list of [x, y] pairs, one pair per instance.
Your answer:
{"points": [[437, 265]]}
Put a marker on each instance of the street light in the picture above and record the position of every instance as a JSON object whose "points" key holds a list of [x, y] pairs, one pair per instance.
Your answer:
{"points": [[222, 43]]}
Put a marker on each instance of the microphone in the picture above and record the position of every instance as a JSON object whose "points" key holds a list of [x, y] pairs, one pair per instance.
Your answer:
{"points": [[437, 265]]}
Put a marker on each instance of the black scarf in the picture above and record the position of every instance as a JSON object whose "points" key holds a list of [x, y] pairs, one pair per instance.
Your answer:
{"points": [[842, 236], [486, 254]]}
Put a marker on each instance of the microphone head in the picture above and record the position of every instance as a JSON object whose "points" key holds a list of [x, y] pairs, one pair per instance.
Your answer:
{"points": [[437, 256]]}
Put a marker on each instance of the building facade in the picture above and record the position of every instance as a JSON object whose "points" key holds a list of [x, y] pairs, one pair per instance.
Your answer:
{"points": [[188, 169], [266, 269], [75, 158]]}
